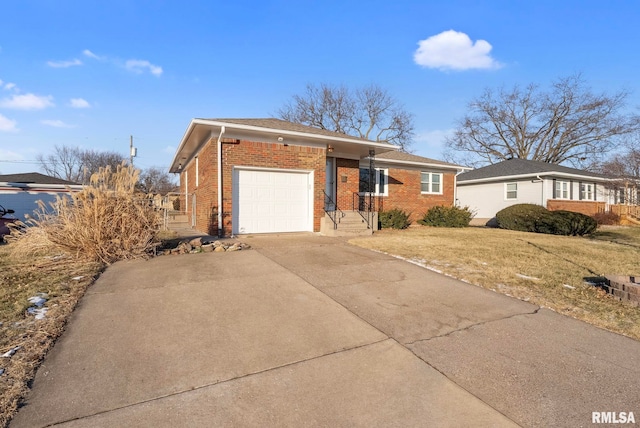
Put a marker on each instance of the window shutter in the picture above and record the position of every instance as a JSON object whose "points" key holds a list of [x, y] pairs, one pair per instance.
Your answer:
{"points": [[571, 190], [595, 195], [580, 184], [555, 189]]}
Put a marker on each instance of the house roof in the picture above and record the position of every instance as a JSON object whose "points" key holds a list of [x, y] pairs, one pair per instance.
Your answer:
{"points": [[283, 125], [34, 178], [408, 158], [522, 167], [202, 130]]}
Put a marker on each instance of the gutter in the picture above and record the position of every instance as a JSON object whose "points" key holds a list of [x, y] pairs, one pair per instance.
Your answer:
{"points": [[219, 160], [536, 175]]}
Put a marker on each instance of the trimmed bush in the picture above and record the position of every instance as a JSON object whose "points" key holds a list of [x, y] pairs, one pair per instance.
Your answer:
{"points": [[441, 216], [572, 224], [394, 219], [521, 217], [176, 204], [535, 218]]}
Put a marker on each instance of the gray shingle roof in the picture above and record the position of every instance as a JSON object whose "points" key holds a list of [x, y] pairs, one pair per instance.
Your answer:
{"points": [[408, 157], [33, 178], [279, 124], [513, 167]]}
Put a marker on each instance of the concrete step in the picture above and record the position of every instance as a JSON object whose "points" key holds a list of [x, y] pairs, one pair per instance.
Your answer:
{"points": [[350, 224]]}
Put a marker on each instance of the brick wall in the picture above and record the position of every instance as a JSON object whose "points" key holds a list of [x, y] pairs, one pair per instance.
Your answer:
{"points": [[347, 182], [405, 193], [206, 192], [246, 153], [623, 288], [584, 207]]}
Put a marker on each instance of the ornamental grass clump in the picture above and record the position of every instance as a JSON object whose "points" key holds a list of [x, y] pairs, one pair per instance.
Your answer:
{"points": [[105, 222]]}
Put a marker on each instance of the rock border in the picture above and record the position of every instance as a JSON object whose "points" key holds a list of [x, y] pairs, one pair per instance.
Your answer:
{"points": [[200, 245]]}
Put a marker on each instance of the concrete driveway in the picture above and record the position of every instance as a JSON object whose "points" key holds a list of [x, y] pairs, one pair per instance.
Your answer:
{"points": [[305, 330]]}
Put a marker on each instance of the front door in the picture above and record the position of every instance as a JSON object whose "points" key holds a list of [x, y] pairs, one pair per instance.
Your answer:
{"points": [[330, 186]]}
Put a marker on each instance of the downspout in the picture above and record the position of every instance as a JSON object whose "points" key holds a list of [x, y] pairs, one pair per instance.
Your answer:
{"points": [[455, 187], [542, 193], [220, 229]]}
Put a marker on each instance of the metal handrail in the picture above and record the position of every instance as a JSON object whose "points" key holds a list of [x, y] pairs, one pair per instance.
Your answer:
{"points": [[333, 215], [362, 206]]}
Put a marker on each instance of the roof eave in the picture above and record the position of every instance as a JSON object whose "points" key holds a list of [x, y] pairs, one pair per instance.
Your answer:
{"points": [[427, 164], [532, 175]]}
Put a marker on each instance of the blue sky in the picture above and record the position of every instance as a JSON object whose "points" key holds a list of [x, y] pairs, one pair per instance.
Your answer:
{"points": [[90, 73]]}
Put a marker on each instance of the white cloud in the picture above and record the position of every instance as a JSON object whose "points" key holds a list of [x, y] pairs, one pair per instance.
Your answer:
{"points": [[90, 54], [64, 64], [7, 125], [453, 50], [169, 150], [9, 86], [138, 66], [56, 124], [27, 102], [79, 103]]}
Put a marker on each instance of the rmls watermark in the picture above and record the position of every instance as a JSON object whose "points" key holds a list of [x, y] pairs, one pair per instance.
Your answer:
{"points": [[613, 418]]}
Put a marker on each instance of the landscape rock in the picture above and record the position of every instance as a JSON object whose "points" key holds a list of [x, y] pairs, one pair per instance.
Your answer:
{"points": [[196, 242], [203, 245]]}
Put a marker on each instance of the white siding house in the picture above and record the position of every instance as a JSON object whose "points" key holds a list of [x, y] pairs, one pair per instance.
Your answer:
{"points": [[517, 181], [21, 192]]}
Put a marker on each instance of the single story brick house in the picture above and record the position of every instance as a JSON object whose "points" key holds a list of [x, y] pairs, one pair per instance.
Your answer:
{"points": [[240, 176], [20, 192], [489, 189]]}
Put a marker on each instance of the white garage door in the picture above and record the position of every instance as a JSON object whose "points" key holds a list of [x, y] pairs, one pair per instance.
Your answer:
{"points": [[272, 201]]}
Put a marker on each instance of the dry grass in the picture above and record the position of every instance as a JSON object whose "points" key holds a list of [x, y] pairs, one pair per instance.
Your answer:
{"points": [[104, 222], [20, 280], [547, 270]]}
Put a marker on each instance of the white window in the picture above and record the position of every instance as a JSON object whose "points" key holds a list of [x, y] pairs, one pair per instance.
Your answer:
{"points": [[562, 190], [431, 182], [511, 190], [586, 191], [197, 173], [379, 181]]}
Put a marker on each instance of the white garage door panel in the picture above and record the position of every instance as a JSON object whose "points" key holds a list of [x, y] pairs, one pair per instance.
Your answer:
{"points": [[272, 201]]}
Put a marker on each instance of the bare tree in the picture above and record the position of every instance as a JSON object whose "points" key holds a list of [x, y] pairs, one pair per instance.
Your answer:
{"points": [[156, 180], [369, 112], [567, 123], [76, 164], [624, 167]]}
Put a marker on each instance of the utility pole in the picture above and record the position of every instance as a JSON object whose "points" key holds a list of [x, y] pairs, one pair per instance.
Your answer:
{"points": [[133, 152]]}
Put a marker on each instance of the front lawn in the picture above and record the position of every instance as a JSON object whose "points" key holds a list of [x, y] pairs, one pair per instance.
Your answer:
{"points": [[547, 270]]}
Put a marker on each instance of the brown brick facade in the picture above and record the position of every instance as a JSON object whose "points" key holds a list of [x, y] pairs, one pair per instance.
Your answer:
{"points": [[247, 153], [403, 184], [405, 193], [347, 182], [585, 207]]}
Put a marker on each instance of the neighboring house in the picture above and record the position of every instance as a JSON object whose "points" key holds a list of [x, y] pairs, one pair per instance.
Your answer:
{"points": [[489, 189], [20, 192], [243, 176]]}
